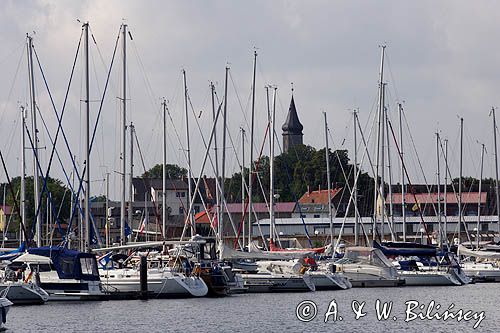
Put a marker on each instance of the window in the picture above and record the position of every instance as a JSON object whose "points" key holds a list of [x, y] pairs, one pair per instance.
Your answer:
{"points": [[409, 228], [181, 210], [430, 227], [484, 227], [316, 216], [196, 209]]}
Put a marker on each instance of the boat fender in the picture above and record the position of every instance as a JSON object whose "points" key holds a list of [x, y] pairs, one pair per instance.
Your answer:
{"points": [[303, 269]]}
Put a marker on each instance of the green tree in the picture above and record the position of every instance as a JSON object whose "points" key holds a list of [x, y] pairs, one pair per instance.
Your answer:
{"points": [[60, 197], [173, 171]]}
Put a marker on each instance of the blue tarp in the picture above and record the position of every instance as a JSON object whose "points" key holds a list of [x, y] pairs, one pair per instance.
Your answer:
{"points": [[406, 249], [68, 263]]}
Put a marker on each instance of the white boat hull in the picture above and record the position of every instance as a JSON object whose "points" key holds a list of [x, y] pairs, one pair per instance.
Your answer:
{"points": [[430, 278], [264, 282], [329, 281], [481, 272], [20, 293]]}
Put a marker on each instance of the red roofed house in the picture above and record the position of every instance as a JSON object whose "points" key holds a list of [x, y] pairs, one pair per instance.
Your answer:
{"points": [[314, 204]]}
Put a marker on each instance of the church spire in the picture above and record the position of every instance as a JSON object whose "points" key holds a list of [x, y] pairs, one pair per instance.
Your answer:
{"points": [[292, 128]]}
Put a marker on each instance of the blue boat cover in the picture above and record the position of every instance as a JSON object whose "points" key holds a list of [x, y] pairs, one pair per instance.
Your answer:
{"points": [[70, 264], [406, 249]]}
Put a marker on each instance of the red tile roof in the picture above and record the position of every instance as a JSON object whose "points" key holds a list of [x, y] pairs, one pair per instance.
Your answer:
{"points": [[319, 196], [431, 198]]}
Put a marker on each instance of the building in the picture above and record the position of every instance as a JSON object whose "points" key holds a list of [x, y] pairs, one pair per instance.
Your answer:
{"points": [[314, 204], [292, 129]]}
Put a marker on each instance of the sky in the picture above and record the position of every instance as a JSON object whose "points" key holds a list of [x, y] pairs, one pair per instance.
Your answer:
{"points": [[441, 64]]}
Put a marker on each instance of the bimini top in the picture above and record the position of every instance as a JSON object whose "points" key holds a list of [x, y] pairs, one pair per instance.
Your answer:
{"points": [[366, 255], [69, 264]]}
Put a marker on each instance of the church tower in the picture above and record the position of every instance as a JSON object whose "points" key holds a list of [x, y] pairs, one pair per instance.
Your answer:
{"points": [[292, 128]]}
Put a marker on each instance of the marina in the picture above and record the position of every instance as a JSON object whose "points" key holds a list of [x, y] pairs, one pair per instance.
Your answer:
{"points": [[158, 174]]}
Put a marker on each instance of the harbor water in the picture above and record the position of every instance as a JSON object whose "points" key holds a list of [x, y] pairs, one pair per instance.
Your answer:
{"points": [[274, 312]]}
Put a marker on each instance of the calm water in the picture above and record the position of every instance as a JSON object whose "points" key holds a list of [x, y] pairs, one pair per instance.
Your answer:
{"points": [[262, 312]]}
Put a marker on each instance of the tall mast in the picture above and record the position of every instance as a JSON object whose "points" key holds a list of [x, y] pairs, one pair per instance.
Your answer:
{"points": [[389, 171], [250, 174], [271, 169], [460, 181], [107, 210], [217, 194], [379, 121], [382, 162], [123, 239], [496, 170], [355, 184], [403, 194], [36, 177], [188, 151], [164, 175], [223, 171], [479, 199], [86, 223], [23, 172], [438, 174], [131, 177], [329, 186], [243, 182], [446, 193]]}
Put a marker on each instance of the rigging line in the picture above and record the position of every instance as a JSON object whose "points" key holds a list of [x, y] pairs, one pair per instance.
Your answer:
{"points": [[346, 178], [80, 187], [243, 110], [13, 194], [211, 163], [59, 159], [409, 183], [4, 109], [403, 112], [45, 179], [157, 216], [59, 128]]}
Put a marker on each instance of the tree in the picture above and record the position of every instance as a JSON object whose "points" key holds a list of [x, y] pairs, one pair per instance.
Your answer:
{"points": [[60, 198], [173, 171]]}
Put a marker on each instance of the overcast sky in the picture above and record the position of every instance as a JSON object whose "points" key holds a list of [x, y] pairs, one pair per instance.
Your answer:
{"points": [[442, 61]]}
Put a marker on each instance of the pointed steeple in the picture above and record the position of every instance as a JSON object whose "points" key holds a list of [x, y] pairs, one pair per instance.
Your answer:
{"points": [[292, 124], [292, 128]]}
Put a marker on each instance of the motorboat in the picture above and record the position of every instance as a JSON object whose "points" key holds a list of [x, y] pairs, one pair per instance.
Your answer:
{"points": [[368, 267]]}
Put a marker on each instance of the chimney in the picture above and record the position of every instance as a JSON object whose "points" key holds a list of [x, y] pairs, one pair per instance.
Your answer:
{"points": [[319, 188], [308, 190]]}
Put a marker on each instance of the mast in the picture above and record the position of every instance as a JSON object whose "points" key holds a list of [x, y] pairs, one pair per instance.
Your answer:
{"points": [[446, 193], [496, 170], [243, 182], [164, 174], [250, 173], [389, 171], [223, 171], [36, 177], [403, 195], [479, 199], [123, 239], [107, 210], [86, 223], [355, 185], [271, 169], [23, 171], [329, 186], [460, 180], [190, 217], [379, 119], [131, 177], [382, 161], [217, 194], [438, 174]]}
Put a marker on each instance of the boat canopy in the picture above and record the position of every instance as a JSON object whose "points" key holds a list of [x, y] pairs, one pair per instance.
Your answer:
{"points": [[463, 251], [405, 249], [69, 264], [257, 254], [367, 255]]}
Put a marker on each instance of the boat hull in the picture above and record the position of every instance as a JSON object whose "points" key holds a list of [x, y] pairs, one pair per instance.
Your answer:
{"points": [[24, 294], [429, 278], [262, 283]]}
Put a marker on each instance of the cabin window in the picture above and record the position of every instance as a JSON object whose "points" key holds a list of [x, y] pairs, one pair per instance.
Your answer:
{"points": [[66, 265], [88, 266]]}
